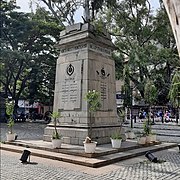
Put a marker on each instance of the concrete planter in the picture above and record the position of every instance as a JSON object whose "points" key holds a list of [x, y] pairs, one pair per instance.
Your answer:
{"points": [[130, 135], [153, 137], [141, 140], [116, 143], [56, 143], [10, 137], [149, 138], [90, 147]]}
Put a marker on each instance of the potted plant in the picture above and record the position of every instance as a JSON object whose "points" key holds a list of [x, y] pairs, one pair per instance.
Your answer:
{"points": [[147, 131], [93, 99], [130, 134], [56, 137], [153, 137], [116, 139], [89, 145], [141, 138], [9, 112]]}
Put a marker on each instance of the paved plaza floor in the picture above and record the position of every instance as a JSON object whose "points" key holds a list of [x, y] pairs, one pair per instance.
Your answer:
{"points": [[133, 169], [138, 168]]}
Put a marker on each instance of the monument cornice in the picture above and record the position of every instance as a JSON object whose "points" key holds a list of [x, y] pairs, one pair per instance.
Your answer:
{"points": [[79, 33]]}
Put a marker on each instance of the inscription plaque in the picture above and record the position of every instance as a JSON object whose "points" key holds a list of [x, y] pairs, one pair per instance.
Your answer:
{"points": [[70, 86]]}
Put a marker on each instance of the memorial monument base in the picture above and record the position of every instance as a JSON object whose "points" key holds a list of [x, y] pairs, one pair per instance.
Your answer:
{"points": [[85, 63], [76, 136]]}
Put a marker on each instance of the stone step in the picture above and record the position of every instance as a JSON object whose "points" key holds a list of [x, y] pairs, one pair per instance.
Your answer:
{"points": [[101, 150], [93, 162]]}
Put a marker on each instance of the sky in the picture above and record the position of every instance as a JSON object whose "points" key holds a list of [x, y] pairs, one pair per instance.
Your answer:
{"points": [[24, 4]]}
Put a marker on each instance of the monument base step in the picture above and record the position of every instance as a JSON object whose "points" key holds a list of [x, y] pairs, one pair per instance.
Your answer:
{"points": [[104, 154]]}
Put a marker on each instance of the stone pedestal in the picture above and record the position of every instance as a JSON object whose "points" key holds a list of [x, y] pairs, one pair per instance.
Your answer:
{"points": [[84, 64]]}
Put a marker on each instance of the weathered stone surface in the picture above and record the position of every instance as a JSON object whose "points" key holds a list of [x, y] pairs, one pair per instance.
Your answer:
{"points": [[85, 64], [173, 11]]}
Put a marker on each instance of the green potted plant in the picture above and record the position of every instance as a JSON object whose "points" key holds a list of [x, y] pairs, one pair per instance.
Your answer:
{"points": [[93, 99], [153, 136], [116, 140], [150, 95], [174, 93], [130, 134], [56, 137], [147, 131], [141, 138], [9, 112], [119, 136]]}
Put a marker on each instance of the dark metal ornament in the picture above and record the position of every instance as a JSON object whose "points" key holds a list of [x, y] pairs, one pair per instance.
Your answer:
{"points": [[70, 69]]}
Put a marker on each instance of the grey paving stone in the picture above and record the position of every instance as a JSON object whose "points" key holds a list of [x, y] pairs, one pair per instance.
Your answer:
{"points": [[12, 169]]}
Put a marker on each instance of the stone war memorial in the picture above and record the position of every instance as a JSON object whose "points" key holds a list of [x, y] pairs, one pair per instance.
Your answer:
{"points": [[84, 64]]}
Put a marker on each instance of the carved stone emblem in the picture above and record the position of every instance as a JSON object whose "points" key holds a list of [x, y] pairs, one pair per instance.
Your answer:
{"points": [[70, 69], [103, 73]]}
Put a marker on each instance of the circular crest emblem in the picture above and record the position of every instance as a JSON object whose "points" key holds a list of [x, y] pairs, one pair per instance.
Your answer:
{"points": [[70, 69]]}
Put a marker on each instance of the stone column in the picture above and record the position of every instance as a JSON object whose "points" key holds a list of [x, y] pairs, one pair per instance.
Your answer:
{"points": [[84, 64], [173, 11]]}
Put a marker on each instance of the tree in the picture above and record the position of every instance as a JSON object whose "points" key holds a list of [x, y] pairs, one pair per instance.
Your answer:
{"points": [[150, 96], [174, 93], [64, 10], [127, 89], [146, 38], [166, 57], [27, 50], [93, 100], [9, 113]]}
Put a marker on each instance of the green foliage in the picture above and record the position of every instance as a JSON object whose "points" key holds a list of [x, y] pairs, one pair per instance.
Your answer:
{"points": [[28, 55], [64, 10], [145, 39], [150, 93], [116, 136], [127, 87], [93, 100], [9, 112], [174, 93], [147, 128], [56, 135], [55, 115]]}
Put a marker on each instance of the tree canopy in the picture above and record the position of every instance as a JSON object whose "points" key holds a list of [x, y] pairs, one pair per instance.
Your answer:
{"points": [[145, 38], [28, 55], [141, 35]]}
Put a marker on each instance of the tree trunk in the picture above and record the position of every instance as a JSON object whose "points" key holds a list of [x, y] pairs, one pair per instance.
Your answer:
{"points": [[90, 126], [125, 114], [179, 115]]}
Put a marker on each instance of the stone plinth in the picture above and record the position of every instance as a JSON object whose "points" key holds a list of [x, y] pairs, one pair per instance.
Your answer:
{"points": [[84, 64]]}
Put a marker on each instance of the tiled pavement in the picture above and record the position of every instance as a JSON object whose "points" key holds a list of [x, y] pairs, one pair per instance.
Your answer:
{"points": [[27, 130], [166, 132], [133, 169], [141, 169]]}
